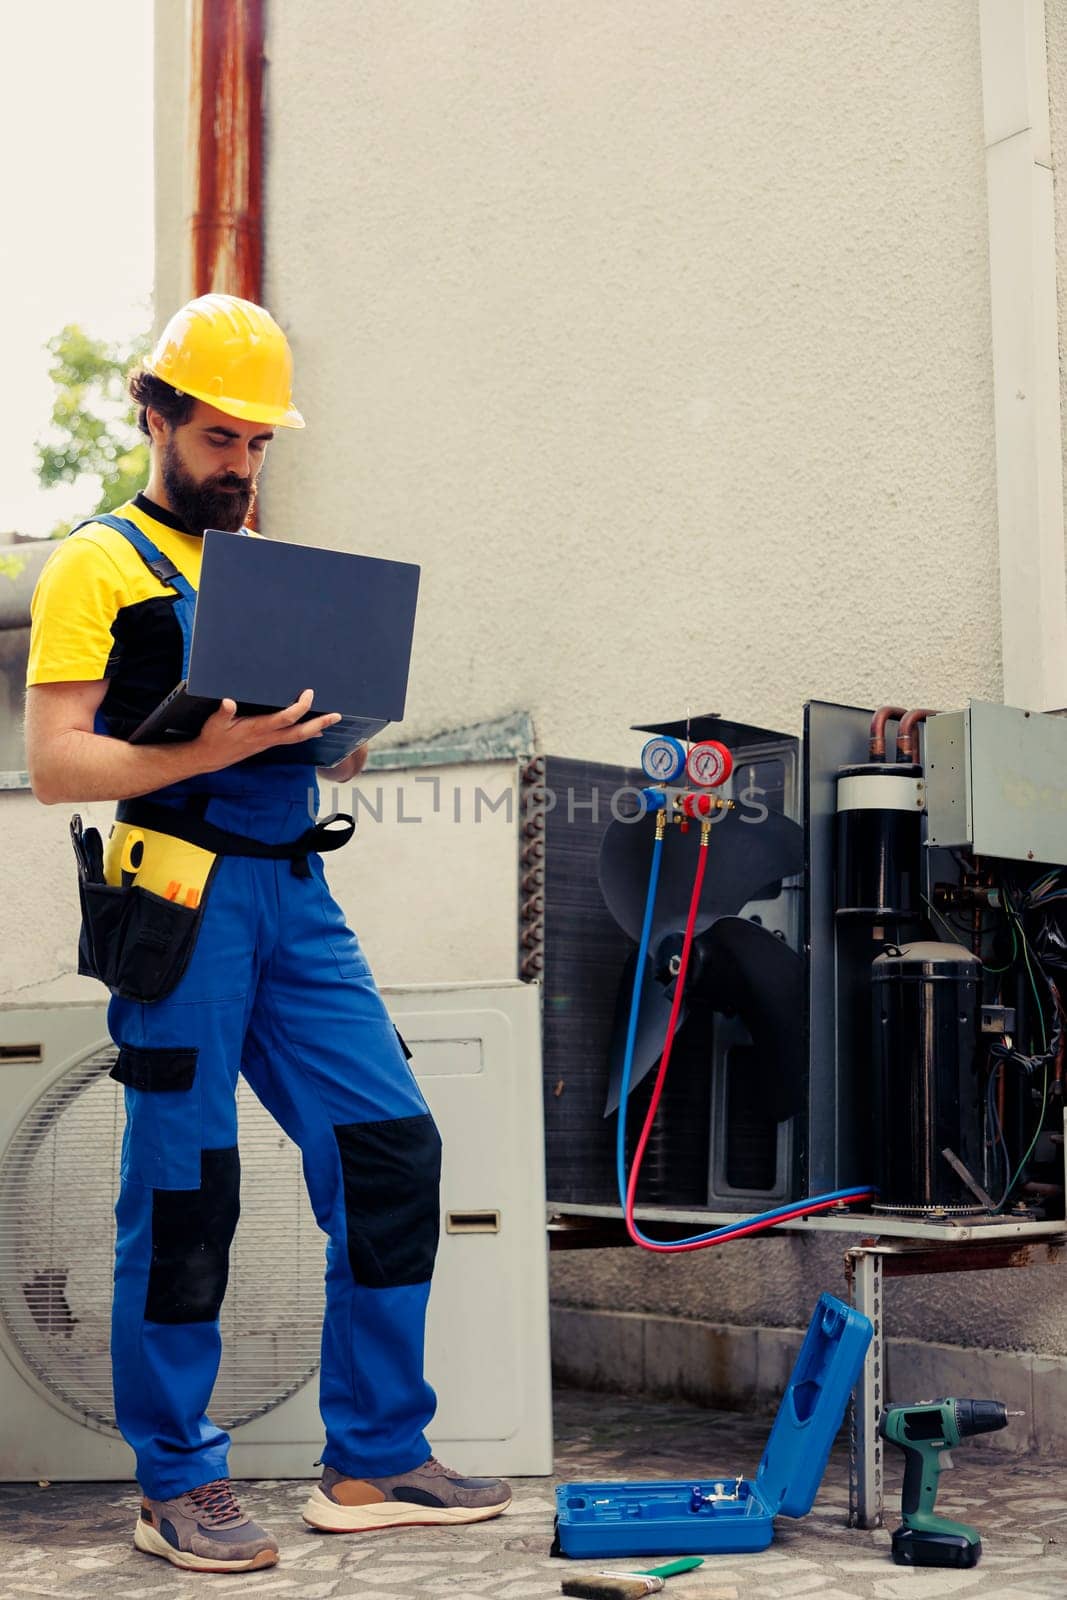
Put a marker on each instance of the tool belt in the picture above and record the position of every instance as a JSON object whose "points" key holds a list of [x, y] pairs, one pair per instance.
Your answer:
{"points": [[143, 898], [187, 823]]}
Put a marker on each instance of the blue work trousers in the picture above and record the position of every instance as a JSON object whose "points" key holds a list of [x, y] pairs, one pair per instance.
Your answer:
{"points": [[277, 988]]}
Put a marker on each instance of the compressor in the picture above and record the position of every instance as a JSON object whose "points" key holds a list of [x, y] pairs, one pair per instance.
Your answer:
{"points": [[926, 998]]}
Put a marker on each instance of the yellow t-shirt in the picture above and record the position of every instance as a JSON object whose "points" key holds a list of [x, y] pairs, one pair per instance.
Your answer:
{"points": [[98, 612], [83, 608]]}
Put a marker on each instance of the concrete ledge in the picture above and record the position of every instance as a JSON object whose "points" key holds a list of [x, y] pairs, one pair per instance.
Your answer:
{"points": [[738, 1368], [742, 1368]]}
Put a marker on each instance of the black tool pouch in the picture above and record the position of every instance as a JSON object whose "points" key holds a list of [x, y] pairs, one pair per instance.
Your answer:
{"points": [[139, 943], [134, 941]]}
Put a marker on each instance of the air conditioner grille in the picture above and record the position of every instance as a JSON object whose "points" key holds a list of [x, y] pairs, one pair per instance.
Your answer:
{"points": [[58, 1181]]}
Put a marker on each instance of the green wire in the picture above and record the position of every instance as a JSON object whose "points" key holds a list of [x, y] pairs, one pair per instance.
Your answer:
{"points": [[1014, 952], [1017, 1174], [1033, 981]]}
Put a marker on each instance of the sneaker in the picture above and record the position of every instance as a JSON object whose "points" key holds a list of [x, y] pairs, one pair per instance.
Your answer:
{"points": [[427, 1494], [204, 1530]]}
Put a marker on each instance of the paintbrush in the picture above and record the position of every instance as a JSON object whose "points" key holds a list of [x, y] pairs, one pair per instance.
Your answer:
{"points": [[627, 1585]]}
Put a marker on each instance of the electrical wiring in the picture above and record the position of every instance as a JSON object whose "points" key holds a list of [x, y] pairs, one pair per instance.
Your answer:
{"points": [[1020, 1169], [1044, 889], [628, 1183], [1025, 947], [1052, 933], [1030, 951], [954, 934], [1025, 942]]}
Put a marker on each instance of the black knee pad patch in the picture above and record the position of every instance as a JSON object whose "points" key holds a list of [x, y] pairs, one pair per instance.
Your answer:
{"points": [[392, 1178], [192, 1230]]}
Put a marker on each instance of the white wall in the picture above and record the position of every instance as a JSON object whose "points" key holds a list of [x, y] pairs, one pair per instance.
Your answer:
{"points": [[171, 21], [658, 333], [1056, 54]]}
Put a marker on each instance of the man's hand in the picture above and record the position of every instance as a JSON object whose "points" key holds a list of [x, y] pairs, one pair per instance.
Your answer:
{"points": [[68, 760], [349, 767], [226, 738]]}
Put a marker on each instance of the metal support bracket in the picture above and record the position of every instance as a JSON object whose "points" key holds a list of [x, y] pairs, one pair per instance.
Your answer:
{"points": [[865, 1482]]}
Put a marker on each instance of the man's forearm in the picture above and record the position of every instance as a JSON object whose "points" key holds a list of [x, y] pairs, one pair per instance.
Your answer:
{"points": [[90, 766]]}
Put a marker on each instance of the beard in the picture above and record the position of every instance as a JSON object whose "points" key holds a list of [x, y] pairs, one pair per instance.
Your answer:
{"points": [[223, 502]]}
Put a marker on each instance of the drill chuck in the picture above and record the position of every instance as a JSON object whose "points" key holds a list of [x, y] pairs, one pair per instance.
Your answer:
{"points": [[980, 1416]]}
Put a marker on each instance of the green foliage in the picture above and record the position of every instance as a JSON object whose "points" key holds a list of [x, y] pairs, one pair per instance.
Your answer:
{"points": [[11, 565], [94, 423]]}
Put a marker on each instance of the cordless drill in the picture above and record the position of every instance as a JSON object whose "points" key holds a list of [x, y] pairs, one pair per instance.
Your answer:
{"points": [[925, 1432]]}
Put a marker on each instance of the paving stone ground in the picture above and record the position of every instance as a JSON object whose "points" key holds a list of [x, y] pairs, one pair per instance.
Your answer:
{"points": [[74, 1541]]}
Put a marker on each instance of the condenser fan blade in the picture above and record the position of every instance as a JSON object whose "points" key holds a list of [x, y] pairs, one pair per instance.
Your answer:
{"points": [[746, 858], [749, 972], [654, 1015]]}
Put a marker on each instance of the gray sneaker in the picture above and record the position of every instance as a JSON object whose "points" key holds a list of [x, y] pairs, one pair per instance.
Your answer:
{"points": [[204, 1530], [427, 1494]]}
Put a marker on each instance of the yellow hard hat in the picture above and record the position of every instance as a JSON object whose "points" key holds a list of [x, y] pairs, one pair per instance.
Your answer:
{"points": [[232, 354]]}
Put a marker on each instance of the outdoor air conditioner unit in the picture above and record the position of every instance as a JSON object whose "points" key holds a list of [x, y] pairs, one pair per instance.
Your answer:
{"points": [[810, 1021], [476, 1053], [715, 1142]]}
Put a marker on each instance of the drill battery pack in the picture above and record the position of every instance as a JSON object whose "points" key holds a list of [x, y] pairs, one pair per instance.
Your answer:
{"points": [[913, 1549], [730, 1514]]}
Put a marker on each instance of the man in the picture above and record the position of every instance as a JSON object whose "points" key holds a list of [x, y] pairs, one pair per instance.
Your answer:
{"points": [[275, 986]]}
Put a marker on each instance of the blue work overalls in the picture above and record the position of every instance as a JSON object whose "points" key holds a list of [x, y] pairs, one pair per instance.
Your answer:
{"points": [[277, 988]]}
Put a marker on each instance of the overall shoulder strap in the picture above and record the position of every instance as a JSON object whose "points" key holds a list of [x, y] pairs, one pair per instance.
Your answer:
{"points": [[157, 563]]}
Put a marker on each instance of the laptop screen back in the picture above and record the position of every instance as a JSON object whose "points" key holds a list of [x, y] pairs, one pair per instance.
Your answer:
{"points": [[274, 619]]}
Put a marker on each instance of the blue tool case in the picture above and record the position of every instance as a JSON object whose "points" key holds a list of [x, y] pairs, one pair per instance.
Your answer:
{"points": [[727, 1514]]}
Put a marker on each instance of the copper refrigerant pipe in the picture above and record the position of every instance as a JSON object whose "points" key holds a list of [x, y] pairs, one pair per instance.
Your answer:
{"points": [[883, 715], [907, 736]]}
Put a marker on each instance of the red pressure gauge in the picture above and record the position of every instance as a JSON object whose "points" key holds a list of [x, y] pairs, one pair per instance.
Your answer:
{"points": [[709, 764]]}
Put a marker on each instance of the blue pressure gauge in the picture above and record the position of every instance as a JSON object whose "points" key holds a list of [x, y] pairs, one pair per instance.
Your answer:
{"points": [[663, 759]]}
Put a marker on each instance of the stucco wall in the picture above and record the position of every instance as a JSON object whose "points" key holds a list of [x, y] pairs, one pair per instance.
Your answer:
{"points": [[1056, 56], [651, 331], [171, 21]]}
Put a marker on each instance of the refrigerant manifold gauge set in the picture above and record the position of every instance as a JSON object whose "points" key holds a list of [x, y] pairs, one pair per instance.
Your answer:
{"points": [[706, 765]]}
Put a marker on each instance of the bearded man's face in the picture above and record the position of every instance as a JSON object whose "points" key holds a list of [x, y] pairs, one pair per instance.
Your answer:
{"points": [[210, 465]]}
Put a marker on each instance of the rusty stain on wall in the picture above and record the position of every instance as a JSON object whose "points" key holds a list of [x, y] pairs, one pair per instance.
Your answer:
{"points": [[226, 154]]}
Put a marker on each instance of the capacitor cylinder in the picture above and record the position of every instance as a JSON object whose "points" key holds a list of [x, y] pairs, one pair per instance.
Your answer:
{"points": [[927, 1099], [879, 819]]}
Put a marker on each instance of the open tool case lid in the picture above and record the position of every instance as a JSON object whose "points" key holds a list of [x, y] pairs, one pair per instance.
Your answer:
{"points": [[829, 1363], [609, 1520]]}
